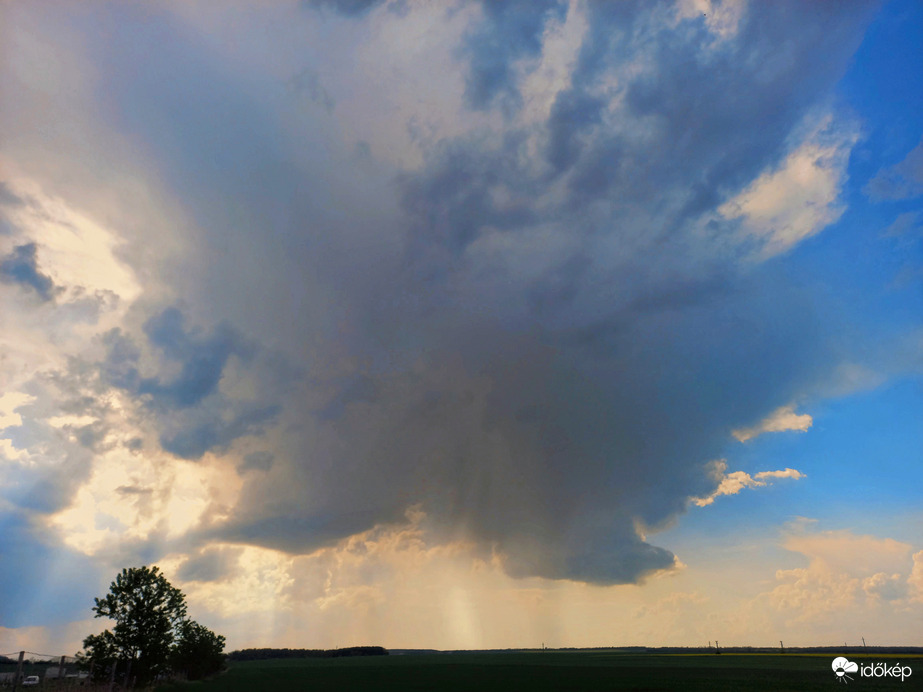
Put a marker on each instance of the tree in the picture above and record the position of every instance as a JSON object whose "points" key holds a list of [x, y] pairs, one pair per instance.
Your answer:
{"points": [[150, 622], [99, 653], [198, 651]]}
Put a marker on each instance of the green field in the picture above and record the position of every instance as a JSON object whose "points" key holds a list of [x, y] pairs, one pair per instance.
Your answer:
{"points": [[553, 670]]}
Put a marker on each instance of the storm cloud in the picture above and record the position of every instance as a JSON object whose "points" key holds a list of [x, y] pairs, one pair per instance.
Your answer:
{"points": [[21, 266], [538, 324], [570, 336], [191, 413]]}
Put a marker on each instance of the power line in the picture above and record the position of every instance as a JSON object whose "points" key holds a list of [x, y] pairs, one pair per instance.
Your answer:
{"points": [[35, 653]]}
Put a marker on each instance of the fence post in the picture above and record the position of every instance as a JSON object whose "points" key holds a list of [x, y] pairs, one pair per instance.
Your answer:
{"points": [[18, 670]]}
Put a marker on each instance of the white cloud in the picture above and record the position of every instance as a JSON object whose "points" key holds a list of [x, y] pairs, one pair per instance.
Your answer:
{"points": [[780, 420], [76, 251], [845, 551], [732, 483], [885, 586], [799, 198], [9, 402], [915, 580], [130, 497], [93, 288], [260, 581], [813, 591], [863, 576]]}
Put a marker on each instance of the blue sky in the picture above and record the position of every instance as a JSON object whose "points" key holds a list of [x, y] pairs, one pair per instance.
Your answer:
{"points": [[465, 324]]}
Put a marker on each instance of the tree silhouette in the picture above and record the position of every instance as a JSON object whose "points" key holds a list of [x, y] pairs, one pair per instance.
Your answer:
{"points": [[198, 651], [151, 632]]}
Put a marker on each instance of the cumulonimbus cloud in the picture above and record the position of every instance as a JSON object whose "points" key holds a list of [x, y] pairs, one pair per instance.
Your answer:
{"points": [[540, 329]]}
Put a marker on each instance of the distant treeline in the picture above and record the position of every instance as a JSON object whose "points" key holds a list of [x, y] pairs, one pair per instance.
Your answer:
{"points": [[262, 654], [7, 661]]}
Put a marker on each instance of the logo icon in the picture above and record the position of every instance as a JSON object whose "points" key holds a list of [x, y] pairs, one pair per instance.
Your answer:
{"points": [[842, 666]]}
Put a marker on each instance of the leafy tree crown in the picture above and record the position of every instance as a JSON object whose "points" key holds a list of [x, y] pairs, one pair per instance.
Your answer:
{"points": [[151, 629]]}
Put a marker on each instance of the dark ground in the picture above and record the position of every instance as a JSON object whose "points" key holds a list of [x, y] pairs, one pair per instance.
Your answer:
{"points": [[593, 669]]}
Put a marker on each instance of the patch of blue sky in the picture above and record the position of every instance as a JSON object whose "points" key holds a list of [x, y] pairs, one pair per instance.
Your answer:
{"points": [[861, 458], [871, 272], [884, 86], [862, 455], [867, 450], [41, 583]]}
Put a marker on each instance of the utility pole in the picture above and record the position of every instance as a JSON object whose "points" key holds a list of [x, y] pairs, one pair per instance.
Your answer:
{"points": [[863, 643], [22, 655], [781, 645]]}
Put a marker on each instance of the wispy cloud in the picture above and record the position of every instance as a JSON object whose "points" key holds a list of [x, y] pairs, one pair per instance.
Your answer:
{"points": [[903, 180], [780, 420], [732, 483], [783, 207]]}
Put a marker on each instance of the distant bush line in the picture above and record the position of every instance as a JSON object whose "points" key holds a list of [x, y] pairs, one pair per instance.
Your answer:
{"points": [[263, 654]]}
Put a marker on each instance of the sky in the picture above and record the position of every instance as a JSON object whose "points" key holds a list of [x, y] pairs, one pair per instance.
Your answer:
{"points": [[464, 324]]}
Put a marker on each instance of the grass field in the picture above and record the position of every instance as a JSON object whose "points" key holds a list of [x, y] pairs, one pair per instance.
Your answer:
{"points": [[553, 670]]}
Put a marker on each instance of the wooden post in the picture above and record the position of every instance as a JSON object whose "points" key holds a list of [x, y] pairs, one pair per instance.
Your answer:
{"points": [[128, 674], [22, 655], [61, 668], [112, 675]]}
